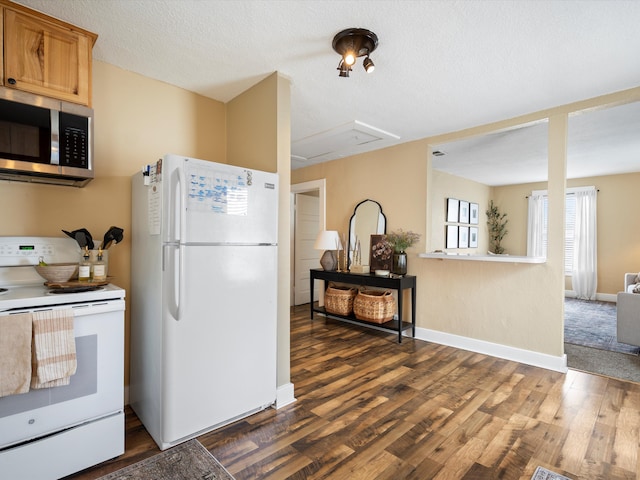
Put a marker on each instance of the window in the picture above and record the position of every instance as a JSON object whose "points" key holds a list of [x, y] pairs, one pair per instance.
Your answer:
{"points": [[569, 232]]}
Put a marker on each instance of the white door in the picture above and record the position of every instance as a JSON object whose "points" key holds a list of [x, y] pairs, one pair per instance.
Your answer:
{"points": [[305, 256]]}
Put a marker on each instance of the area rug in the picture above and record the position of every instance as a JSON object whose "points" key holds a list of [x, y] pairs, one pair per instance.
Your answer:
{"points": [[187, 461], [593, 324], [544, 474], [603, 362]]}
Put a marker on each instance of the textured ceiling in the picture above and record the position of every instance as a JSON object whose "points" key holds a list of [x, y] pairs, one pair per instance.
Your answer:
{"points": [[441, 66]]}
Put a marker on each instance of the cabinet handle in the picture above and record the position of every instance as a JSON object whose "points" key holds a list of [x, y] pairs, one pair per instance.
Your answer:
{"points": [[11, 81]]}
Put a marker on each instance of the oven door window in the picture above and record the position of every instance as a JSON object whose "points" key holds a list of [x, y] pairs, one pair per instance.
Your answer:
{"points": [[83, 383]]}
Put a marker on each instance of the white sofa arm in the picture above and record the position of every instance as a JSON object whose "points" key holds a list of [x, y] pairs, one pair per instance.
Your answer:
{"points": [[628, 318], [629, 279]]}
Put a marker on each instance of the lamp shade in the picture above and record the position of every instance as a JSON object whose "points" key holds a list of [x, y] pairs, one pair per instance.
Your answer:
{"points": [[328, 240]]}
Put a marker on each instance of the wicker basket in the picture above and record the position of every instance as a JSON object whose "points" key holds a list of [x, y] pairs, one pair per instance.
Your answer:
{"points": [[377, 306], [339, 299]]}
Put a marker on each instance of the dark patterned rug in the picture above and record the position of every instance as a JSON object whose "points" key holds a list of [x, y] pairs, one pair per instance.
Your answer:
{"points": [[593, 324], [542, 473], [187, 461]]}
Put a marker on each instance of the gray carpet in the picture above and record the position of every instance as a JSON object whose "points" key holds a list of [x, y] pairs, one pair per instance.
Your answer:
{"points": [[187, 461], [611, 364], [593, 324]]}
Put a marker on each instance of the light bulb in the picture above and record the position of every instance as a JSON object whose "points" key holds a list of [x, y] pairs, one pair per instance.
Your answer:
{"points": [[368, 65], [349, 58]]}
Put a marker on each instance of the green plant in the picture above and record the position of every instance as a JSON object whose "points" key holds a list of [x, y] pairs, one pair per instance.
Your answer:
{"points": [[497, 223], [401, 240]]}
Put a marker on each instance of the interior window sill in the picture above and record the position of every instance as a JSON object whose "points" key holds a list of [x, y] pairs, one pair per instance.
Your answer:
{"points": [[483, 258]]}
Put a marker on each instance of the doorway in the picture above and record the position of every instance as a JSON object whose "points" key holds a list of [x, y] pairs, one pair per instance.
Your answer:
{"points": [[308, 214]]}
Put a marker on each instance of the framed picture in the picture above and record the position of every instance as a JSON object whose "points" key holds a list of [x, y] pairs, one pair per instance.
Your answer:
{"points": [[464, 212], [380, 254], [473, 214], [452, 210], [473, 237], [452, 236], [463, 237]]}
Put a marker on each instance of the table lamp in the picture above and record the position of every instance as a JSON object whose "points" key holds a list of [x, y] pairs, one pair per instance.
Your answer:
{"points": [[329, 241]]}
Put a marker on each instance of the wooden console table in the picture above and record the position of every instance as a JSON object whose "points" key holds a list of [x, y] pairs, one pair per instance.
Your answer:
{"points": [[398, 283]]}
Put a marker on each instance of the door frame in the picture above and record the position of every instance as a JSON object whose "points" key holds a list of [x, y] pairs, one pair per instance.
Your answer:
{"points": [[319, 186]]}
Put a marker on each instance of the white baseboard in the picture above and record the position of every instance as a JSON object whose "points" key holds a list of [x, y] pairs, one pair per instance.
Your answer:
{"points": [[284, 395], [602, 297], [528, 357]]}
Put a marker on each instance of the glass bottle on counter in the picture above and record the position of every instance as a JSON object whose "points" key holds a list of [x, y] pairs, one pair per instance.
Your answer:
{"points": [[84, 269], [99, 269]]}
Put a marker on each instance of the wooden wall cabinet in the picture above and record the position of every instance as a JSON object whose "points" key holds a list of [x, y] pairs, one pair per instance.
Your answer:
{"points": [[45, 56]]}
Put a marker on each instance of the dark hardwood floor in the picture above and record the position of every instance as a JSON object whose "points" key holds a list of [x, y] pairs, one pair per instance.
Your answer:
{"points": [[370, 408]]}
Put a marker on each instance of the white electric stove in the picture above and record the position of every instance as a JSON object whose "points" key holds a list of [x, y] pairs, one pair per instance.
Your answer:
{"points": [[54, 432]]}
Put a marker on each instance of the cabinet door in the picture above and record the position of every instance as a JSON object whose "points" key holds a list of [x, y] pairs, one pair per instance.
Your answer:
{"points": [[46, 59]]}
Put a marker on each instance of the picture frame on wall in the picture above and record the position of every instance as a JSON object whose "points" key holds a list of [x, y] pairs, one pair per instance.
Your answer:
{"points": [[463, 237], [452, 209], [452, 236], [464, 212], [473, 237], [474, 214]]}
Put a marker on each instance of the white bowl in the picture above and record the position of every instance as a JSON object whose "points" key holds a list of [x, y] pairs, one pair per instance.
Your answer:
{"points": [[57, 272], [382, 273]]}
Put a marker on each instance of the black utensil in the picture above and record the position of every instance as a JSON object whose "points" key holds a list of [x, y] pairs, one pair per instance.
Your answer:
{"points": [[114, 234], [82, 236]]}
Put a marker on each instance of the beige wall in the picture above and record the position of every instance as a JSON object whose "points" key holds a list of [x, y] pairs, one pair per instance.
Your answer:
{"points": [[517, 305], [394, 177], [252, 139], [259, 137]]}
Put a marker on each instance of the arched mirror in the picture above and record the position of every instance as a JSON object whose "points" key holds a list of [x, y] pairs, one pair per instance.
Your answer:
{"points": [[367, 220]]}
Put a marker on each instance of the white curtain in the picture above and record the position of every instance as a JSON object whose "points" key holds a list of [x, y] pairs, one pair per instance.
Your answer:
{"points": [[535, 232], [585, 274]]}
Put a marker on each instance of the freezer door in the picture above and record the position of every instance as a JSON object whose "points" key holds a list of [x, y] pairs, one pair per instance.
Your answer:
{"points": [[209, 202], [220, 356]]}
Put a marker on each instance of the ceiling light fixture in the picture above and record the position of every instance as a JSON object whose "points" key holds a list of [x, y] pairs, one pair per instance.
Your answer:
{"points": [[351, 44]]}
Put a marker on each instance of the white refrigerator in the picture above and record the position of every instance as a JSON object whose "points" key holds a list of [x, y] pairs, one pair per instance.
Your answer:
{"points": [[203, 296]]}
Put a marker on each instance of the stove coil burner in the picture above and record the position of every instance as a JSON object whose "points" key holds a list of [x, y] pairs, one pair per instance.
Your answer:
{"points": [[62, 291]]}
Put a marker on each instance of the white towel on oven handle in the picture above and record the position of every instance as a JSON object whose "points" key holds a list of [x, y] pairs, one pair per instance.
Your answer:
{"points": [[54, 348], [15, 353]]}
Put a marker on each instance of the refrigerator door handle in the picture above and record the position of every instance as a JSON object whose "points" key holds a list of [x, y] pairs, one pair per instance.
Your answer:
{"points": [[180, 286], [176, 295], [173, 271], [181, 205], [176, 216]]}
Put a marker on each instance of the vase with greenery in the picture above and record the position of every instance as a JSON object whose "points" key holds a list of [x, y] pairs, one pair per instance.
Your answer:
{"points": [[400, 240], [497, 224]]}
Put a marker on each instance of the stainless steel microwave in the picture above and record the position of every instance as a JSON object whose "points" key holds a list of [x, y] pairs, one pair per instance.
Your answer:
{"points": [[44, 140]]}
